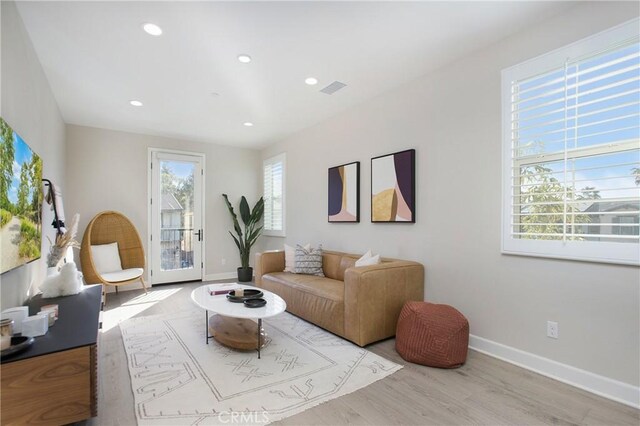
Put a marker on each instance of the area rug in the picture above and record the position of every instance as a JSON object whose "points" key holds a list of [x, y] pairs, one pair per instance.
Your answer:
{"points": [[178, 379]]}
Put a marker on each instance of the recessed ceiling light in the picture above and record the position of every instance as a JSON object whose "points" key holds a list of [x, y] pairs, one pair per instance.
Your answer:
{"points": [[136, 103], [311, 81], [152, 29], [248, 124], [245, 59]]}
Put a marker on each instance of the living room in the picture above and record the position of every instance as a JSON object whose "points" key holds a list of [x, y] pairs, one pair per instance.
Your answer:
{"points": [[239, 84]]}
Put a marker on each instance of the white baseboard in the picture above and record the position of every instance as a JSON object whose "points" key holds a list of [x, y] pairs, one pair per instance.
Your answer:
{"points": [[600, 385], [221, 276]]}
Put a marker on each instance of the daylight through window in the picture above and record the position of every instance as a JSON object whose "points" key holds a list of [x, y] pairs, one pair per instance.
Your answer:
{"points": [[274, 195], [572, 148]]}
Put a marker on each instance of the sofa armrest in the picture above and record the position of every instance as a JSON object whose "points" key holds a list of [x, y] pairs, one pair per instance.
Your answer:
{"points": [[374, 296], [267, 262]]}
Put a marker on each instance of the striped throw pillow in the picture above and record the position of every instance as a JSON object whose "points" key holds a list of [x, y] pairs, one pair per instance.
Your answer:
{"points": [[308, 262]]}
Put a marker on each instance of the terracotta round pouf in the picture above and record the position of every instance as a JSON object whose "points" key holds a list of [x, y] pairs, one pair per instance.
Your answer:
{"points": [[433, 335]]}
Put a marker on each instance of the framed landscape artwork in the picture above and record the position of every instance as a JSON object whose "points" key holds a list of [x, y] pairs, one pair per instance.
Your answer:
{"points": [[393, 187], [344, 193], [21, 198]]}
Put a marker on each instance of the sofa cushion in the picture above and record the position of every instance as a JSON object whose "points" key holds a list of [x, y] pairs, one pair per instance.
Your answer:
{"points": [[368, 259], [345, 263], [367, 255], [319, 300], [373, 260], [321, 286], [331, 265], [309, 262], [290, 257]]}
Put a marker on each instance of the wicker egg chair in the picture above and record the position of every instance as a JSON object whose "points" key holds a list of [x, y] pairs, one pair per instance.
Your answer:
{"points": [[109, 227]]}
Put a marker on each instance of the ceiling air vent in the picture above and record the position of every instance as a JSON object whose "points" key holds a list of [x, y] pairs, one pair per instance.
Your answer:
{"points": [[333, 88]]}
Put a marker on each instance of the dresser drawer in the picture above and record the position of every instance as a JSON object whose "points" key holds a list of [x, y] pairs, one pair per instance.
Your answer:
{"points": [[52, 389]]}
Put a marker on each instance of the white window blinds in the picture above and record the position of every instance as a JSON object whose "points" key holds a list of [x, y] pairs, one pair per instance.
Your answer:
{"points": [[572, 151], [274, 207]]}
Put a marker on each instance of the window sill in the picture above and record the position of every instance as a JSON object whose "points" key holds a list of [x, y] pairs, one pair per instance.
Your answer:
{"points": [[615, 254]]}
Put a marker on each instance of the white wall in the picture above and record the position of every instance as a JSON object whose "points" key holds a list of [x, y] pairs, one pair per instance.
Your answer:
{"points": [[452, 117], [107, 170], [28, 106]]}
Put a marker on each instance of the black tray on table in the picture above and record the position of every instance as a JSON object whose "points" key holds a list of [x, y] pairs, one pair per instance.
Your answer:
{"points": [[248, 294]]}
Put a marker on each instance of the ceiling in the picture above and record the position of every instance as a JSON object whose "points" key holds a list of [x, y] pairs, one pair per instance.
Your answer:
{"points": [[97, 58]]}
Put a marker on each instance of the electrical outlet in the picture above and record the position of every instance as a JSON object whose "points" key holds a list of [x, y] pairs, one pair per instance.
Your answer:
{"points": [[552, 329], [224, 261]]}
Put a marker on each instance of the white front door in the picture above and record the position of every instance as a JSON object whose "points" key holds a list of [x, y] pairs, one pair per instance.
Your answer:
{"points": [[176, 203]]}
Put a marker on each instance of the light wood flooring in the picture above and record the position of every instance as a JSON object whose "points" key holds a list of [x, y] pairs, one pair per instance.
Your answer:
{"points": [[483, 391]]}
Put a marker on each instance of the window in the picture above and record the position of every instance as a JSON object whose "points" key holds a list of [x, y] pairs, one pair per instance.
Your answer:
{"points": [[571, 151], [274, 195]]}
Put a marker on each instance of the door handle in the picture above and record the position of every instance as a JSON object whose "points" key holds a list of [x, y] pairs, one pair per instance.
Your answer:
{"points": [[200, 234]]}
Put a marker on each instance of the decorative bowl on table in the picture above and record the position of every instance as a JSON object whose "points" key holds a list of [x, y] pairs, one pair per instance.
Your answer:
{"points": [[18, 344], [255, 303], [248, 293]]}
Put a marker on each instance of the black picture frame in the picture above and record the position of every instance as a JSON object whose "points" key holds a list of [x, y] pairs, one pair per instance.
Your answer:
{"points": [[385, 205], [336, 211]]}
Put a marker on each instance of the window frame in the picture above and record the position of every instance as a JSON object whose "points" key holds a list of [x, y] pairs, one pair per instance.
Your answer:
{"points": [[590, 251], [273, 160]]}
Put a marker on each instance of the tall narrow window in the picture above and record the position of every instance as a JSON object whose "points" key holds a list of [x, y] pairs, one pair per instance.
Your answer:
{"points": [[572, 151], [274, 195]]}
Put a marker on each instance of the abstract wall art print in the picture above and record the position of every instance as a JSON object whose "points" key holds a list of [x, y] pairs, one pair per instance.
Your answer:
{"points": [[393, 187], [344, 193]]}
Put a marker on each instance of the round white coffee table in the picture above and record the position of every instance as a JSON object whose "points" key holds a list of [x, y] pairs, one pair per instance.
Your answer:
{"points": [[234, 324]]}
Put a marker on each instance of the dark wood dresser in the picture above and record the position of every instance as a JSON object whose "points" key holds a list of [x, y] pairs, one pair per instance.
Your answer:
{"points": [[55, 381]]}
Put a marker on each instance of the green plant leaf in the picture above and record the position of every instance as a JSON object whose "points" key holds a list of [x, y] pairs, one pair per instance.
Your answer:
{"points": [[237, 228], [258, 211], [236, 241], [251, 219], [230, 207], [254, 236], [236, 225], [244, 211]]}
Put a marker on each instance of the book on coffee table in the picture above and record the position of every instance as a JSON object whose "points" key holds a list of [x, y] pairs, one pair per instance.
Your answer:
{"points": [[217, 289]]}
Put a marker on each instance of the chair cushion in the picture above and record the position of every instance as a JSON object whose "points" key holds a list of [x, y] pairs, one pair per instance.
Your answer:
{"points": [[106, 258], [123, 275]]}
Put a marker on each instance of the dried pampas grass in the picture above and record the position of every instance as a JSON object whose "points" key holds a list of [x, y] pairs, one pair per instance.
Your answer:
{"points": [[58, 250]]}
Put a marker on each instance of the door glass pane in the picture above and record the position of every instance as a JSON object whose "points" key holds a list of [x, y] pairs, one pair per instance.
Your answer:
{"points": [[176, 215]]}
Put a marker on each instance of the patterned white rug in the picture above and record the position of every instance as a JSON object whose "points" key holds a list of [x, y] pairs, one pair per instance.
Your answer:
{"points": [[177, 379]]}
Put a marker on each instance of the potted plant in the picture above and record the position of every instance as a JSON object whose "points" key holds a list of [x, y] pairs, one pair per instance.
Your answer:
{"points": [[245, 240]]}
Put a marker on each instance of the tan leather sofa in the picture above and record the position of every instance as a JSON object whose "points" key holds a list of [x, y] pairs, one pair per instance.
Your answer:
{"points": [[360, 304]]}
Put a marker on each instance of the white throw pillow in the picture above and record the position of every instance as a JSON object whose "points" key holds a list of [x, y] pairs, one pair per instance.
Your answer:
{"points": [[365, 256], [290, 257], [368, 259], [106, 258]]}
